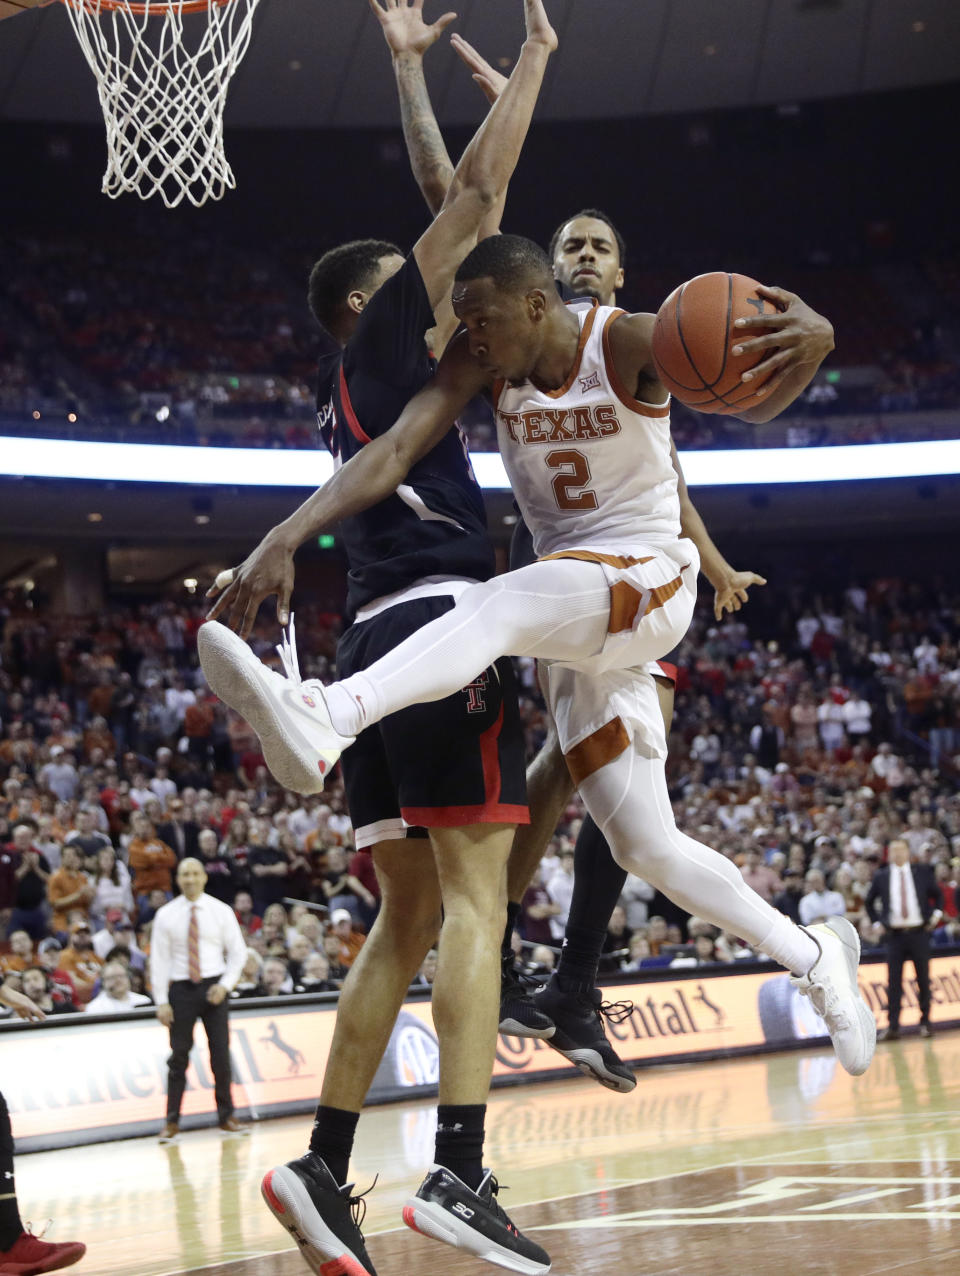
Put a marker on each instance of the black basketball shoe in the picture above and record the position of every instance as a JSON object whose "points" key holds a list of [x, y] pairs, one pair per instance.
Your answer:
{"points": [[321, 1216], [445, 1209], [578, 1015], [519, 1014]]}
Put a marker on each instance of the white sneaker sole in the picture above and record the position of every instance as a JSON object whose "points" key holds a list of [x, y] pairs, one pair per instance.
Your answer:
{"points": [[848, 938], [239, 679], [514, 1028], [439, 1224], [591, 1064], [290, 1204]]}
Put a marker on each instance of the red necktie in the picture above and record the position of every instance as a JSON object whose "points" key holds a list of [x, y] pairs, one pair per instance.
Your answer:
{"points": [[903, 893], [193, 946]]}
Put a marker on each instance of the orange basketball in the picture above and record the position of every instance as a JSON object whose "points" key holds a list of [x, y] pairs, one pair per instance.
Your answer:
{"points": [[694, 336]]}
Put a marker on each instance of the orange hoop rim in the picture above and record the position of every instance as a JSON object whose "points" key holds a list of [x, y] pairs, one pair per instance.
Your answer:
{"points": [[158, 8]]}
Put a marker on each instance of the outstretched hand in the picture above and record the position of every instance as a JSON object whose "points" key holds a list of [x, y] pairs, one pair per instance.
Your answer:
{"points": [[795, 335], [404, 28], [733, 593], [490, 81], [240, 590], [539, 30]]}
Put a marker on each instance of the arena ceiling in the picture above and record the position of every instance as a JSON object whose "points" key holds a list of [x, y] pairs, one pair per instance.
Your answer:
{"points": [[322, 63]]}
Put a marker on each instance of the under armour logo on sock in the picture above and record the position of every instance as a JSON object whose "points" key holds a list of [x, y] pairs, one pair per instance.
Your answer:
{"points": [[449, 1129]]}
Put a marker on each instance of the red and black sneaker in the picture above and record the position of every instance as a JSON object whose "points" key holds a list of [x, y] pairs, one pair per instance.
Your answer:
{"points": [[445, 1209], [31, 1256], [321, 1216]]}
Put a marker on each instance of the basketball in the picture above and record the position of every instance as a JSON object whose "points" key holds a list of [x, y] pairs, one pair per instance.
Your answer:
{"points": [[694, 336]]}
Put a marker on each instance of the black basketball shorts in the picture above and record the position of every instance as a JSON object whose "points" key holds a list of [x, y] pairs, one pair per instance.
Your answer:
{"points": [[446, 764]]}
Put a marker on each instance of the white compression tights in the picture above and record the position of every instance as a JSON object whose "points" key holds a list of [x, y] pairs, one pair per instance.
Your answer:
{"points": [[628, 799], [553, 610]]}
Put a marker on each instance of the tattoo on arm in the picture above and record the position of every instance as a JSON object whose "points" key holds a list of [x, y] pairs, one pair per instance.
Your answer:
{"points": [[428, 156]]}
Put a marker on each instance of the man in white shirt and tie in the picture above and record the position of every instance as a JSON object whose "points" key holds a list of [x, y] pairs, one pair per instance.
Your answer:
{"points": [[905, 897], [197, 951]]}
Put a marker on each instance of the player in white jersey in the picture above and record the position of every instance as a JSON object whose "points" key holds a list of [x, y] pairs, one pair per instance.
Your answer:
{"points": [[611, 594]]}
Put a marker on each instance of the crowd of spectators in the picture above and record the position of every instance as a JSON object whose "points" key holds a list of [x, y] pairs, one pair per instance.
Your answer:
{"points": [[114, 338], [800, 754]]}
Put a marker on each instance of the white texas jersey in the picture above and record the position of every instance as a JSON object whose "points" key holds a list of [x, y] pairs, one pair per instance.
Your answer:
{"points": [[589, 464]]}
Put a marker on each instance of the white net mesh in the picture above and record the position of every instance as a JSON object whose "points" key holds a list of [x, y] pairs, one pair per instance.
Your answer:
{"points": [[163, 70]]}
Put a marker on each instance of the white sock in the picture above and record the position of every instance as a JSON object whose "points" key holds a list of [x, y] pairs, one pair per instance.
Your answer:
{"points": [[352, 704]]}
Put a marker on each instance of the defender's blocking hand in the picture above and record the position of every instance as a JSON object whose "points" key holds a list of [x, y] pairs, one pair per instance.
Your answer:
{"points": [[539, 30], [491, 82], [404, 28]]}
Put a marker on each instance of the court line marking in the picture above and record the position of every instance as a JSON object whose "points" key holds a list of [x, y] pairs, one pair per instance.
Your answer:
{"points": [[685, 1220], [389, 1231], [594, 1191]]}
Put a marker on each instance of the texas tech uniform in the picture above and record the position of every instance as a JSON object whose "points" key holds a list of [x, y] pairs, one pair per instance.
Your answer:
{"points": [[592, 472], [456, 761]]}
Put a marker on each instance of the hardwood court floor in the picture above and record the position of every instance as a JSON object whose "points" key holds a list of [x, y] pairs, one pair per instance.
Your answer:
{"points": [[768, 1166]]}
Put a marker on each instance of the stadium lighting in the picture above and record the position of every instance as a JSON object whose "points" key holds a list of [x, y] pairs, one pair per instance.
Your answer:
{"points": [[309, 468]]}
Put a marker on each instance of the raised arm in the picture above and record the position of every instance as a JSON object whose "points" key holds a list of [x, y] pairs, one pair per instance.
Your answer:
{"points": [[371, 476], [408, 37], [486, 166], [730, 586]]}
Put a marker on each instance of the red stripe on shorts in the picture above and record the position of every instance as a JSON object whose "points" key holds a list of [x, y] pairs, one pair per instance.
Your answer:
{"points": [[452, 817], [491, 810]]}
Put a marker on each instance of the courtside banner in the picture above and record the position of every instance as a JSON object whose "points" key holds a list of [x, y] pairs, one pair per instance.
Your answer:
{"points": [[84, 1082]]}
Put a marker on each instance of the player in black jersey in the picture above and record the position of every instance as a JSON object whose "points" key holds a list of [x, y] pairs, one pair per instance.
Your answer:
{"points": [[454, 769], [588, 255]]}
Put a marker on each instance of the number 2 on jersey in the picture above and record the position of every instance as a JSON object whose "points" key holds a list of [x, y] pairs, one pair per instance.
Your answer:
{"points": [[574, 474]]}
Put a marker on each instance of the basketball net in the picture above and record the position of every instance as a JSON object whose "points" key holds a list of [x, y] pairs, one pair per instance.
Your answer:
{"points": [[163, 70]]}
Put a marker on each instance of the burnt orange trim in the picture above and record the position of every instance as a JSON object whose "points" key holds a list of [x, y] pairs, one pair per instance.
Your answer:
{"points": [[585, 330], [626, 600], [621, 563], [663, 593], [619, 389], [587, 757]]}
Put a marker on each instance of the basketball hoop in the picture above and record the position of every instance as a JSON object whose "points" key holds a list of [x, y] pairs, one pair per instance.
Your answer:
{"points": [[163, 68]]}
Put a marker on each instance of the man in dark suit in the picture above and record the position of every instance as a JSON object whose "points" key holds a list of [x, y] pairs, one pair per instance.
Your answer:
{"points": [[905, 897], [179, 832]]}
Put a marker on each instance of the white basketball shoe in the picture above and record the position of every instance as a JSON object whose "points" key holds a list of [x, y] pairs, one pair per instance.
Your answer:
{"points": [[831, 985], [289, 715]]}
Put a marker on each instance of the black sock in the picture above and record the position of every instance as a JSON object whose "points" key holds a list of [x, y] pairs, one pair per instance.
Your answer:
{"points": [[506, 948], [598, 884], [332, 1138], [460, 1140], [10, 1224]]}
